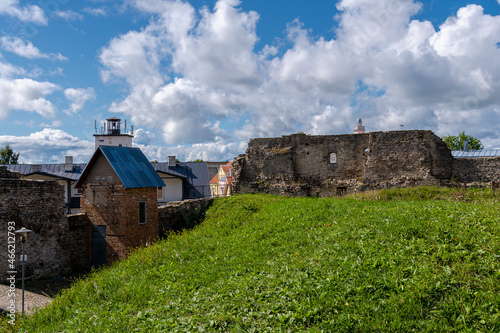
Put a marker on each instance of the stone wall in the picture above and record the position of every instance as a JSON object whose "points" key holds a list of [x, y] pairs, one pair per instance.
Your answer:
{"points": [[38, 206], [80, 233], [178, 215], [469, 170], [304, 165]]}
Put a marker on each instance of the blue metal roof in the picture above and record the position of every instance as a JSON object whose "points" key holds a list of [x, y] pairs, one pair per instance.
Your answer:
{"points": [[130, 164], [475, 153]]}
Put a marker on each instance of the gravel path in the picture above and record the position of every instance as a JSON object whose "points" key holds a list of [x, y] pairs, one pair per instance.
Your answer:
{"points": [[31, 300], [37, 293]]}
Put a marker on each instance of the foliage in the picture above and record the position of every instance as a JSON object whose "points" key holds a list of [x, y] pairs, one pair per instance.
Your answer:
{"points": [[261, 263], [457, 142], [198, 160], [154, 161], [7, 156]]}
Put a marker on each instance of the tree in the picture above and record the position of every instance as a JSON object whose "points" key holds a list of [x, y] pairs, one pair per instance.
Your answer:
{"points": [[7, 156], [457, 142]]}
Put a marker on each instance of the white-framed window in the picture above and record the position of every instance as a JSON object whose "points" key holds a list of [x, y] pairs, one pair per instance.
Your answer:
{"points": [[142, 212]]}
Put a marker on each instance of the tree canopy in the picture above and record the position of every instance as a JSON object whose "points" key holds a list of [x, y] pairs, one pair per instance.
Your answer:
{"points": [[7, 156], [456, 142]]}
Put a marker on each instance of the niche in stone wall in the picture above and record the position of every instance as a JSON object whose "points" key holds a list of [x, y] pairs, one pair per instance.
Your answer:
{"points": [[333, 158]]}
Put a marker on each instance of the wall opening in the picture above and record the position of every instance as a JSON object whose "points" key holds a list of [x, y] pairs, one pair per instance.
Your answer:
{"points": [[142, 212], [341, 190]]}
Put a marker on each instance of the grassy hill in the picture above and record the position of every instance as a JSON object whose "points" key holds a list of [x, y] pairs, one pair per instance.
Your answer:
{"points": [[392, 261]]}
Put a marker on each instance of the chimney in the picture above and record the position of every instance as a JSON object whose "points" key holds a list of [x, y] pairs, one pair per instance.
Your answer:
{"points": [[36, 168], [359, 128], [466, 145], [68, 164], [171, 161]]}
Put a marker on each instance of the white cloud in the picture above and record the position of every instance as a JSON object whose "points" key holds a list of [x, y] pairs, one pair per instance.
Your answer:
{"points": [[26, 95], [143, 137], [27, 49], [78, 97], [191, 73], [29, 13], [69, 15], [49, 146], [9, 70], [96, 11]]}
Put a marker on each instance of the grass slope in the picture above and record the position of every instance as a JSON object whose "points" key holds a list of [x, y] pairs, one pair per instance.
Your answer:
{"points": [[397, 261]]}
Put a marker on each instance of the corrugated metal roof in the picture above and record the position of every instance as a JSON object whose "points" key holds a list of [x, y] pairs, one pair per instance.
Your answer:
{"points": [[475, 153], [130, 164], [54, 170]]}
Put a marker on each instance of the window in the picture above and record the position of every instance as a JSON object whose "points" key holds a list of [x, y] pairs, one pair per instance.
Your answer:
{"points": [[142, 212]]}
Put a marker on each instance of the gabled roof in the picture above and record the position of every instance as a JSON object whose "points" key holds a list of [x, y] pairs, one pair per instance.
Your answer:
{"points": [[215, 180], [475, 153], [130, 164]]}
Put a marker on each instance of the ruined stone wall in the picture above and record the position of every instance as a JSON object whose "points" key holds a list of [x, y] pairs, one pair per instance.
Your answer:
{"points": [[38, 206], [303, 165], [178, 215], [469, 170]]}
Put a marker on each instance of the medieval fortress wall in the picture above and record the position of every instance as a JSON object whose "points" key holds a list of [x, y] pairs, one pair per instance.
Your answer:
{"points": [[304, 165]]}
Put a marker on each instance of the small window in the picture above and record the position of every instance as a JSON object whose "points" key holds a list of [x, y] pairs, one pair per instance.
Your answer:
{"points": [[142, 212]]}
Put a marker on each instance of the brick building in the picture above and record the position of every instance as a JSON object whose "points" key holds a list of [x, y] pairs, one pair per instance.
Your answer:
{"points": [[120, 199]]}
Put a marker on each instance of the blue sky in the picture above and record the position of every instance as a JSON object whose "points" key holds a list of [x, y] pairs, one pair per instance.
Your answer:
{"points": [[198, 79]]}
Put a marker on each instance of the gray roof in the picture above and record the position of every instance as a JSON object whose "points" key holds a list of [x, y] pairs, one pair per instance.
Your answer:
{"points": [[53, 170], [475, 153], [130, 164], [195, 175]]}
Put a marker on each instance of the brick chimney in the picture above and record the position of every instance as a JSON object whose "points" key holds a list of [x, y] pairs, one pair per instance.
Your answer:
{"points": [[68, 164]]}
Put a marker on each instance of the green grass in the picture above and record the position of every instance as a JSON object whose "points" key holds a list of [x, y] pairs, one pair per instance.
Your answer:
{"points": [[402, 262]]}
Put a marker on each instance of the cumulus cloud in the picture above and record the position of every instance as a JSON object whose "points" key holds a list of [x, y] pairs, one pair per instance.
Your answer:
{"points": [[26, 95], [190, 72], [29, 13], [78, 97], [26, 49], [49, 146], [143, 137]]}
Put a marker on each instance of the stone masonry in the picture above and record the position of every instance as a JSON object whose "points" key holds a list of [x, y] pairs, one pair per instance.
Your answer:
{"points": [[38, 206], [178, 215], [304, 165]]}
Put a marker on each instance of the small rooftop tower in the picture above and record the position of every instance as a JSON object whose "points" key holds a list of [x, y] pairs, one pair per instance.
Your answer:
{"points": [[359, 128], [111, 134]]}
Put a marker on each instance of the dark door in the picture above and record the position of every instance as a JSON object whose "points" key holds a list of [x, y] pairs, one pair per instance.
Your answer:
{"points": [[98, 245]]}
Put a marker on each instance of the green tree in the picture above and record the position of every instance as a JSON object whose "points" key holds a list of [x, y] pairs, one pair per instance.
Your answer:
{"points": [[7, 156], [456, 142]]}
